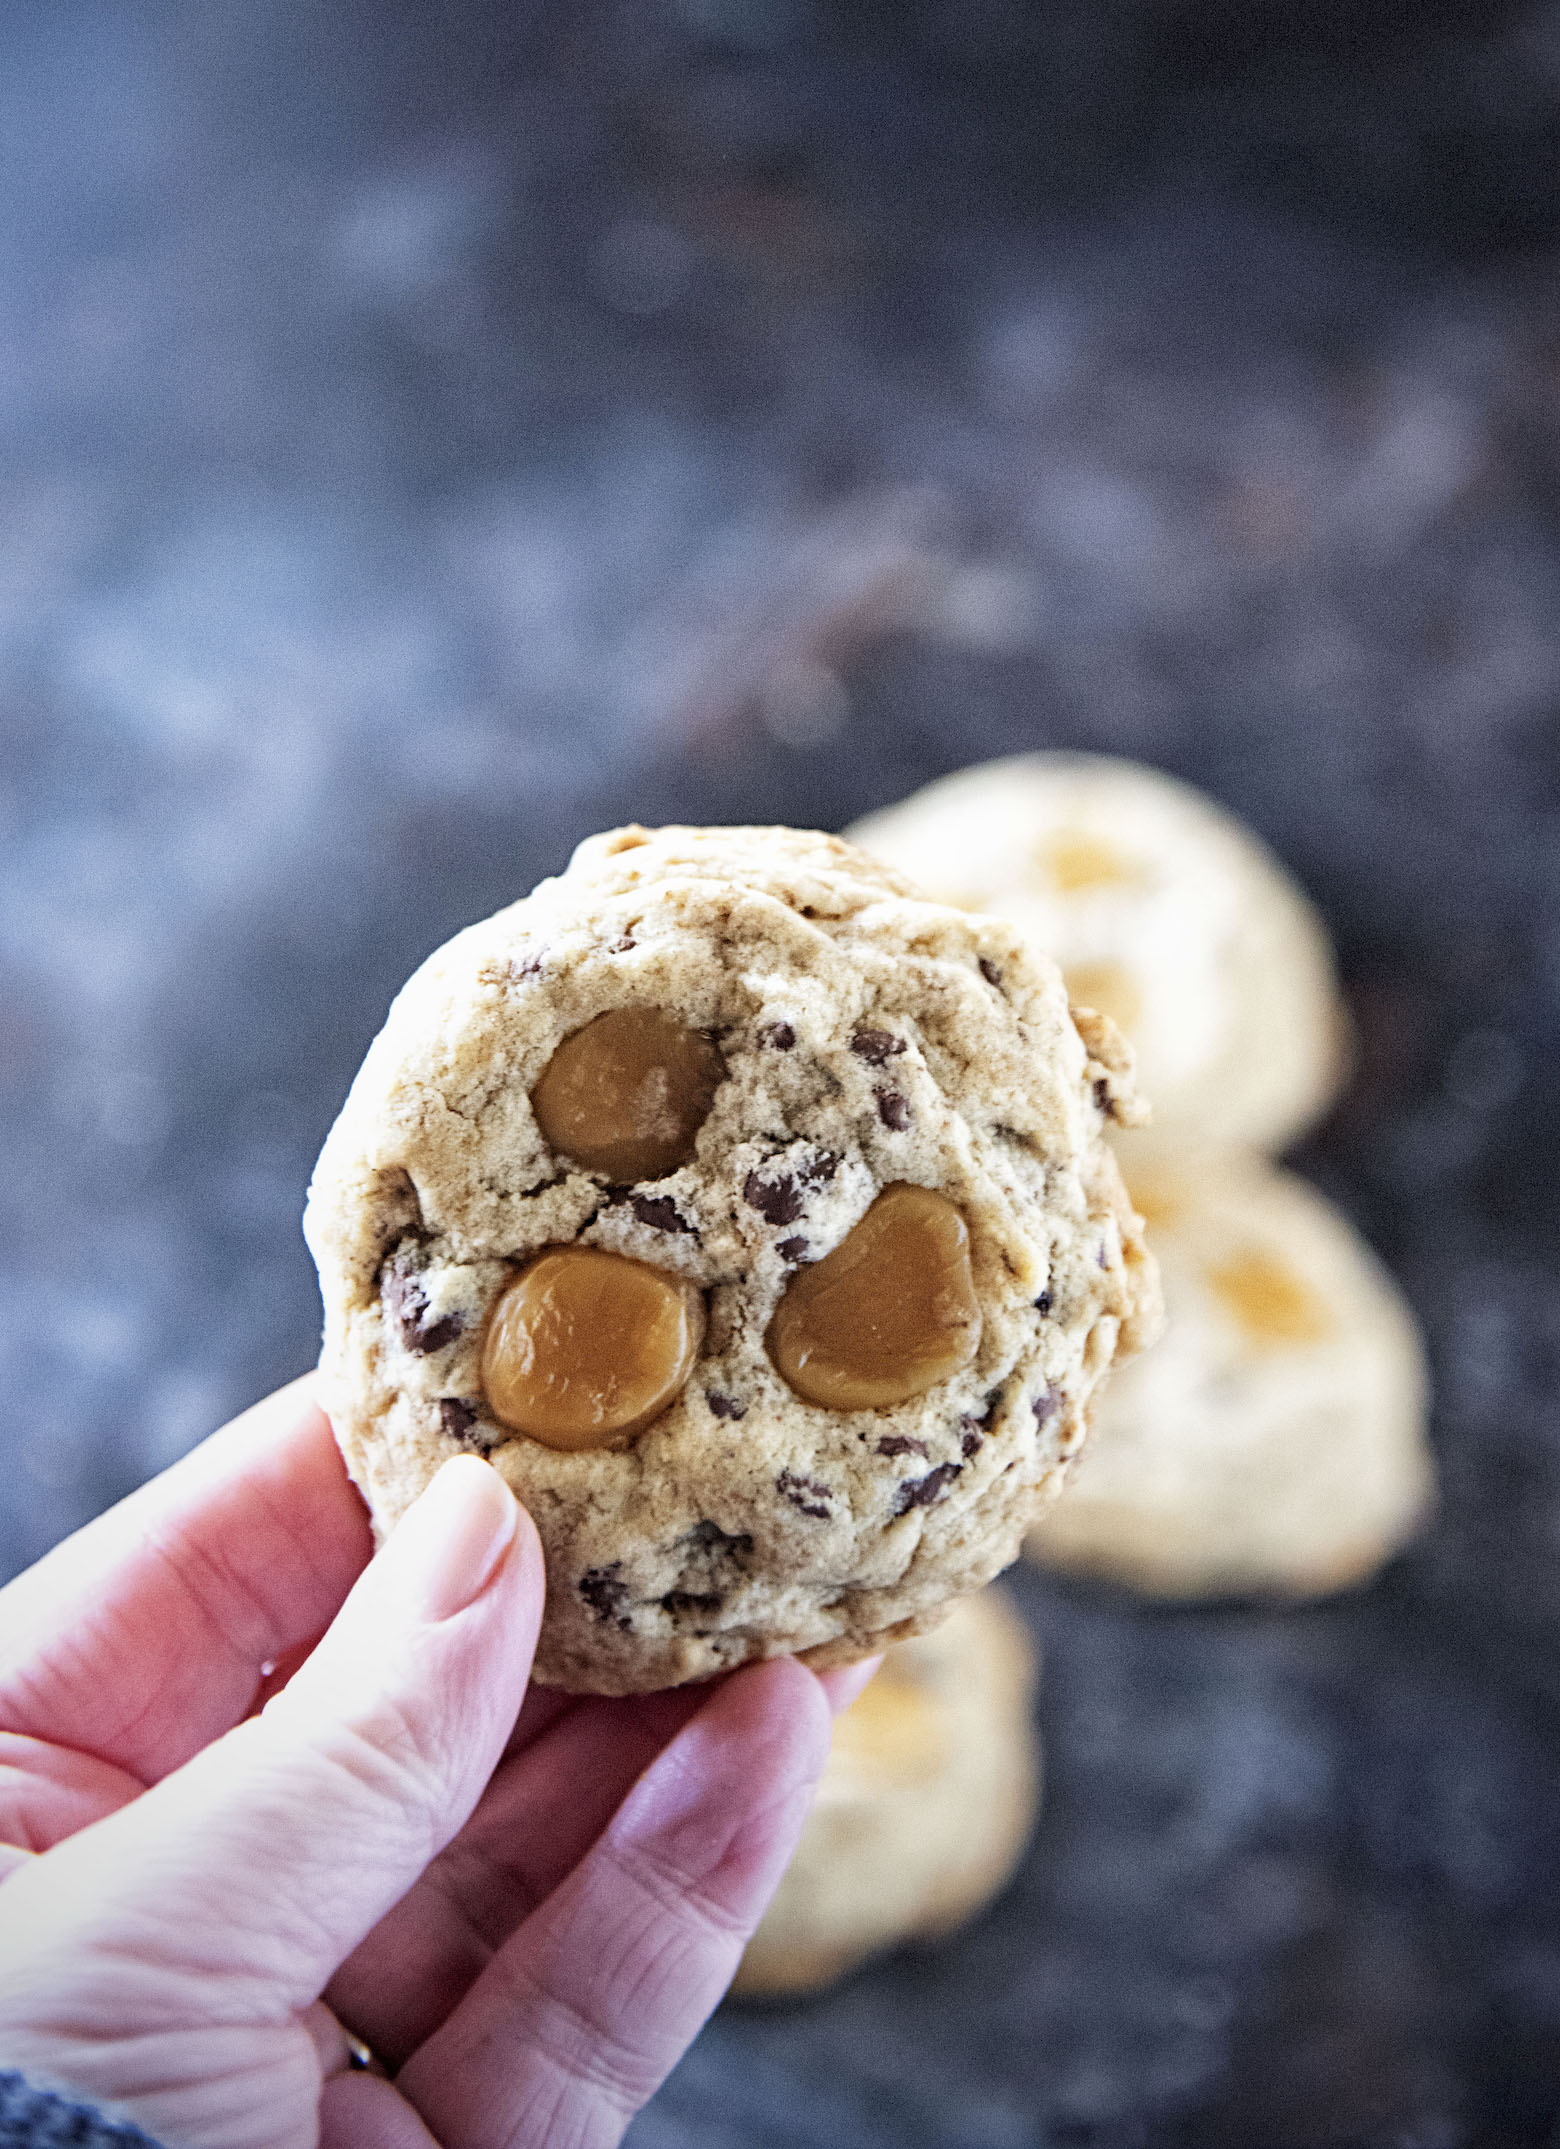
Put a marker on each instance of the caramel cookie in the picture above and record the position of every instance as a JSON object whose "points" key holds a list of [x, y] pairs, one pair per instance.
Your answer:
{"points": [[924, 1808], [754, 1216], [1164, 913], [1274, 1441]]}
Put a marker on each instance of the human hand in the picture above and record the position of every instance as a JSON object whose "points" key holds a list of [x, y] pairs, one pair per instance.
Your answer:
{"points": [[208, 1866]]}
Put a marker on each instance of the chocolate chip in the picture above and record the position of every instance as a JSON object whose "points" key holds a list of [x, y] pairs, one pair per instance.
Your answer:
{"points": [[1045, 1405], [893, 1109], [805, 1493], [621, 947], [691, 1600], [709, 1537], [926, 1491], [819, 1170], [778, 1035], [876, 1046], [724, 1406], [605, 1591], [1044, 1303], [457, 1417], [901, 1444], [529, 965], [660, 1212], [777, 1200], [989, 971], [969, 1444], [792, 1249], [407, 1302], [1104, 1099]]}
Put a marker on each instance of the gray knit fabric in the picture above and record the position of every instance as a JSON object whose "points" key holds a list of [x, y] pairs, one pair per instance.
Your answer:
{"points": [[44, 2119]]}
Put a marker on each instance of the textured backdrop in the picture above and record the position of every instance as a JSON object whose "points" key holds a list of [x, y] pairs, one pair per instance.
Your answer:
{"points": [[429, 434]]}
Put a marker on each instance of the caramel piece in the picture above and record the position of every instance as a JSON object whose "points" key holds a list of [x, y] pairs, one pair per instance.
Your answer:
{"points": [[890, 1313], [1109, 989], [1269, 1301], [1075, 861], [585, 1348], [627, 1095], [894, 1732]]}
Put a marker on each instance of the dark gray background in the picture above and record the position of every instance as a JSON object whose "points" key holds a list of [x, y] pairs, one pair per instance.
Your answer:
{"points": [[428, 434]]}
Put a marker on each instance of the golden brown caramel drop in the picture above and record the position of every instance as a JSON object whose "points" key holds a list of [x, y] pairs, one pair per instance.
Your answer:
{"points": [[890, 1313], [1073, 861], [1109, 989], [585, 1348], [627, 1095], [1269, 1301], [894, 1730]]}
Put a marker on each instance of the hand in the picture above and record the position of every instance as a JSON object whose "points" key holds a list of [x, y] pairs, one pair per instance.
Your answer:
{"points": [[255, 1787]]}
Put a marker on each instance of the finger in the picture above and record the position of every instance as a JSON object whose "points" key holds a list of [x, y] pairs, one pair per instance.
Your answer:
{"points": [[278, 1847], [360, 2111], [579, 2018], [538, 1817], [48, 1792], [142, 1638]]}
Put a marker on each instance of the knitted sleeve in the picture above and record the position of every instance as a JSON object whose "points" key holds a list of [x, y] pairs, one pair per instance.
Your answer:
{"points": [[49, 2119]]}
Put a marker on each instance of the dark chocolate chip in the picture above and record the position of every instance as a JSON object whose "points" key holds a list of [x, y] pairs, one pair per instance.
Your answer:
{"points": [[819, 1170], [691, 1600], [408, 1305], [457, 1417], [778, 1035], [805, 1493], [710, 1538], [660, 1212], [621, 947], [777, 1200], [876, 1046], [969, 1444], [989, 971], [1045, 1405], [901, 1444], [926, 1491], [605, 1591], [792, 1249], [724, 1406], [893, 1109], [1103, 1098], [1044, 1303]]}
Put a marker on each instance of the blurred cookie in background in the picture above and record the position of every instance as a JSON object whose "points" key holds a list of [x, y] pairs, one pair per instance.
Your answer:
{"points": [[1164, 913], [927, 1801], [1273, 1443]]}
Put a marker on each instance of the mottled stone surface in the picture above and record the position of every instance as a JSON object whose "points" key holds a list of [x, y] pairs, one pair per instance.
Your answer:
{"points": [[429, 434]]}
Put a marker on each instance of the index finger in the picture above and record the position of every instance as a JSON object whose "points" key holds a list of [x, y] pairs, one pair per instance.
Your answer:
{"points": [[142, 1637]]}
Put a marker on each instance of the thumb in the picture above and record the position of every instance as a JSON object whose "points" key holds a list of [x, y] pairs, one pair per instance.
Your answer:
{"points": [[264, 1860]]}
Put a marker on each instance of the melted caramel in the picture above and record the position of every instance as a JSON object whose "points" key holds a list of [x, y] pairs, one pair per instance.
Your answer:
{"points": [[888, 1314], [627, 1094], [1269, 1301], [584, 1348]]}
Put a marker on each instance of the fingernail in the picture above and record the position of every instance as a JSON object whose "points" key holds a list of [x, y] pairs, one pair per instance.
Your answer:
{"points": [[845, 1686], [450, 1541]]}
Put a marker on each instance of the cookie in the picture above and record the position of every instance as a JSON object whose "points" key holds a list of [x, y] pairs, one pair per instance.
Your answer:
{"points": [[1273, 1442], [924, 1809], [754, 1216], [1164, 913]]}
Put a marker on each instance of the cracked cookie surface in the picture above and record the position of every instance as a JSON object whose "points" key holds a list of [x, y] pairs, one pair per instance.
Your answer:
{"points": [[864, 1040]]}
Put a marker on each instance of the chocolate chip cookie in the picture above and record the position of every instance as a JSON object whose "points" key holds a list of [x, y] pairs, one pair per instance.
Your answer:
{"points": [[1163, 912], [925, 1806], [754, 1216], [1274, 1441]]}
